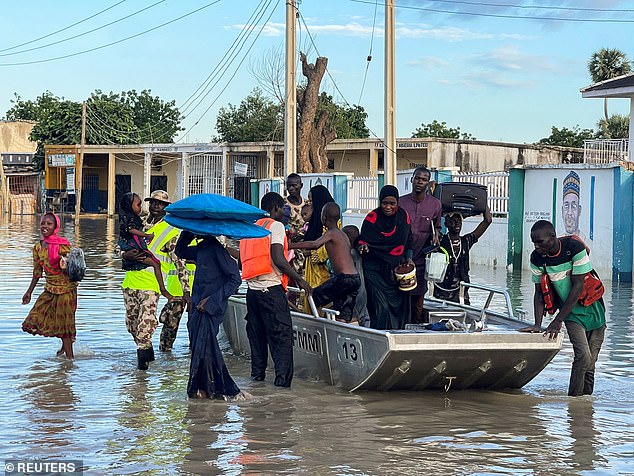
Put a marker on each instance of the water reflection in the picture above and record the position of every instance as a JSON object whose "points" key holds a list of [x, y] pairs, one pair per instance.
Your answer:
{"points": [[50, 405], [122, 421]]}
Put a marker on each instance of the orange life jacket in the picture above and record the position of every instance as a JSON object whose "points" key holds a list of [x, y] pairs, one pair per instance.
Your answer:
{"points": [[255, 254]]}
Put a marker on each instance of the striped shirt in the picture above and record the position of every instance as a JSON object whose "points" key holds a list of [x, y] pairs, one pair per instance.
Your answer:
{"points": [[572, 259]]}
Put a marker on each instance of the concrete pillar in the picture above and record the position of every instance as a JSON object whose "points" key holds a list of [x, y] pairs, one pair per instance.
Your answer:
{"points": [[147, 174], [270, 155], [111, 183], [184, 185], [630, 144], [374, 160]]}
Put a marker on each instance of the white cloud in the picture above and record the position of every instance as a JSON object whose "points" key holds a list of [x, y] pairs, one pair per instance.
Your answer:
{"points": [[510, 58], [414, 30], [428, 62]]}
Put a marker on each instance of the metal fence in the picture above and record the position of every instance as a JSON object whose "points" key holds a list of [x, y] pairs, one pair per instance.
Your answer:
{"points": [[205, 174], [604, 151], [24, 194], [363, 193], [497, 184]]}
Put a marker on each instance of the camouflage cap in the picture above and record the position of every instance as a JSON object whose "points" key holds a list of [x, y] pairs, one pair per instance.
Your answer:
{"points": [[160, 195]]}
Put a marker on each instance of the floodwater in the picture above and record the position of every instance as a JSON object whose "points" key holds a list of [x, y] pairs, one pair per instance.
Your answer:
{"points": [[119, 420]]}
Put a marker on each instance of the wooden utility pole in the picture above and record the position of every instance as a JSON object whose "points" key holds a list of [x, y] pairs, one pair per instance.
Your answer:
{"points": [[4, 189], [389, 137], [79, 164], [290, 110]]}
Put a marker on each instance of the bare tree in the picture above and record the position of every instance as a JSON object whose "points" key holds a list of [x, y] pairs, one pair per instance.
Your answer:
{"points": [[314, 131]]}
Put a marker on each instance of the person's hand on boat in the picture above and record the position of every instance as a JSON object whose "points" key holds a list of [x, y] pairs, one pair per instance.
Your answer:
{"points": [[302, 284], [531, 329], [553, 329]]}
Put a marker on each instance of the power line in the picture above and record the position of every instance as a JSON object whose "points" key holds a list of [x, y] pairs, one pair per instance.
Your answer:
{"points": [[85, 32], [514, 17], [65, 28], [236, 70], [537, 7], [335, 84], [367, 65], [114, 42], [233, 50]]}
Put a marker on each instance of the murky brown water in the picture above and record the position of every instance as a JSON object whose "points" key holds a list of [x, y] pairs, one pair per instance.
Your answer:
{"points": [[122, 421]]}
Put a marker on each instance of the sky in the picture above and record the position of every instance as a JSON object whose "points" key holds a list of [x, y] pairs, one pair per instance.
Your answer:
{"points": [[501, 70]]}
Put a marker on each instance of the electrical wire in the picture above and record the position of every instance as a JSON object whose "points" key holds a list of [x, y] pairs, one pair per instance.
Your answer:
{"points": [[367, 65], [493, 15], [334, 83], [114, 42], [85, 32], [234, 73], [538, 7], [63, 29]]}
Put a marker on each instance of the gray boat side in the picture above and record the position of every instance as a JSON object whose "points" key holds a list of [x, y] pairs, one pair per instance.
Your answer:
{"points": [[358, 358]]}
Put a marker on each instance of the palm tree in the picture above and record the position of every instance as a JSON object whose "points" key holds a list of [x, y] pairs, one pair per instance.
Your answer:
{"points": [[607, 64]]}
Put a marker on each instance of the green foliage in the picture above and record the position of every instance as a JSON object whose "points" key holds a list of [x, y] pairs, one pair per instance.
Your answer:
{"points": [[114, 118], [617, 126], [568, 137], [259, 118], [348, 121], [607, 64], [440, 129], [256, 119]]}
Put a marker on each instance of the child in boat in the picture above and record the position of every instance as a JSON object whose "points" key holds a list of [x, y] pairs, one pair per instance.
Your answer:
{"points": [[360, 311], [131, 237], [341, 289]]}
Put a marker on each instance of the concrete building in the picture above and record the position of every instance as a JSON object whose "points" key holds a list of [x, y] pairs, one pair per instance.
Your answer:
{"points": [[184, 169]]}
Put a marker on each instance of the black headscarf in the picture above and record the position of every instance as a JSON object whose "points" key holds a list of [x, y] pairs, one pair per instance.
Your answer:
{"points": [[388, 237], [319, 197]]}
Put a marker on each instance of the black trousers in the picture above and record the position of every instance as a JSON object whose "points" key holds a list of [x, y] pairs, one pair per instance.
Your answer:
{"points": [[269, 327], [340, 290]]}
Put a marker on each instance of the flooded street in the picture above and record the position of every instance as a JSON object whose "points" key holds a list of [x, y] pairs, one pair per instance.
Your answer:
{"points": [[119, 420]]}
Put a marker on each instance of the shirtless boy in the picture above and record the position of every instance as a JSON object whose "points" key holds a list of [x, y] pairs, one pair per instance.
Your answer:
{"points": [[341, 289]]}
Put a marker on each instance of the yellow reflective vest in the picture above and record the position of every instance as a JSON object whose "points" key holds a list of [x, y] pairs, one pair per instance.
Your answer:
{"points": [[145, 280]]}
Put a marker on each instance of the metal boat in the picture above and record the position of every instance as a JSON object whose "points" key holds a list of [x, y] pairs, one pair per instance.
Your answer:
{"points": [[486, 351]]}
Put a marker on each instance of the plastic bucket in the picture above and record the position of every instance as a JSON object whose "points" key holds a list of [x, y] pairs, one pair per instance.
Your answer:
{"points": [[405, 275], [436, 266]]}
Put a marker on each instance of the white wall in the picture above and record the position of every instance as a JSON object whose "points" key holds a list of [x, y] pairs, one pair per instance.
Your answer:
{"points": [[541, 185], [491, 249]]}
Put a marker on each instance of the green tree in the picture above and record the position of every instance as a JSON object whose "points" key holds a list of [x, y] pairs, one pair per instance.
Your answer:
{"points": [[256, 119], [348, 121], [114, 118], [607, 64], [440, 129], [616, 127], [568, 137]]}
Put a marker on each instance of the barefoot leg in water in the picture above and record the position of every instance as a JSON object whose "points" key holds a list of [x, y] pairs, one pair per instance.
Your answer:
{"points": [[67, 347]]}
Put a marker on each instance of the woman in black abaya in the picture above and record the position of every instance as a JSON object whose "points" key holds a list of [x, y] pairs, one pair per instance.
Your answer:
{"points": [[386, 242]]}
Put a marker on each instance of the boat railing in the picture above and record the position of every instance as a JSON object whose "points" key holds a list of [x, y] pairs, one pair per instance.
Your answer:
{"points": [[492, 290], [330, 314]]}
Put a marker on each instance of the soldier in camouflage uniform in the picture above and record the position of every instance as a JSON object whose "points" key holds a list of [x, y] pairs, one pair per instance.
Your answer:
{"points": [[140, 294]]}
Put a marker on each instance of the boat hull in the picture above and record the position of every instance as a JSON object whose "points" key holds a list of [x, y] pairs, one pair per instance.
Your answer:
{"points": [[357, 358]]}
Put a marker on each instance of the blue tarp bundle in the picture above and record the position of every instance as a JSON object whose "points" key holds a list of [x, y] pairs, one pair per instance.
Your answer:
{"points": [[216, 215]]}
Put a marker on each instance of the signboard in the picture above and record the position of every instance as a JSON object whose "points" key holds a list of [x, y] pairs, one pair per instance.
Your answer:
{"points": [[70, 180], [241, 169], [61, 160]]}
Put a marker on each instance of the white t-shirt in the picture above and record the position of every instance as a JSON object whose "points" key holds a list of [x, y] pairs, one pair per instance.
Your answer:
{"points": [[274, 278]]}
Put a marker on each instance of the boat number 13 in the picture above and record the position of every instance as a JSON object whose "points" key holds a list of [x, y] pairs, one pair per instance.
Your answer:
{"points": [[349, 350]]}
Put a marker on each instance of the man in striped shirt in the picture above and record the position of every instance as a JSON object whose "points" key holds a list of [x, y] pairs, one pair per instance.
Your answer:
{"points": [[566, 262]]}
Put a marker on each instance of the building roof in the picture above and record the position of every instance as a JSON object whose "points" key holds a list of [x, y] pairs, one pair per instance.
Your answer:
{"points": [[619, 87]]}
